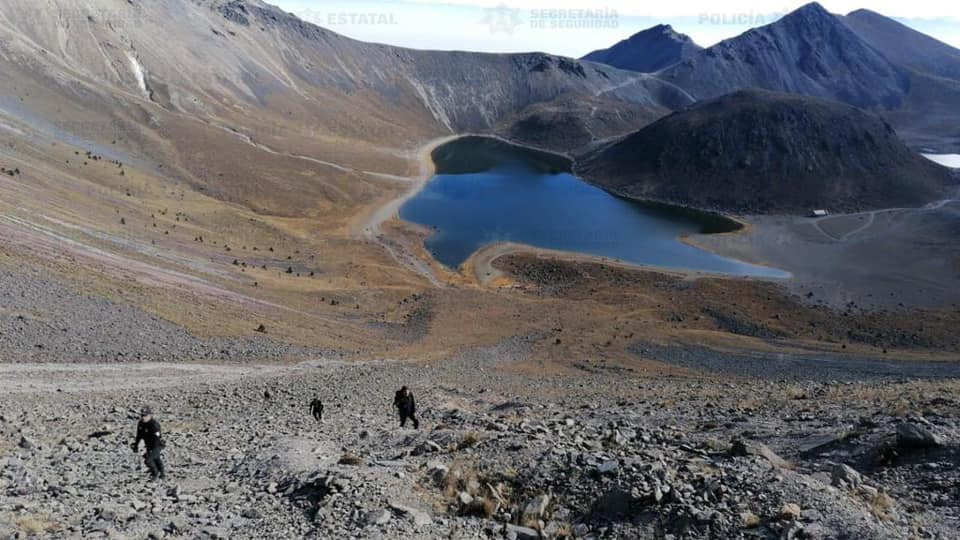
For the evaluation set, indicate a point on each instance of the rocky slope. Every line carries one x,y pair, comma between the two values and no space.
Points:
650,50
808,51
764,152
194,151
928,118
857,60
500,454
904,45
270,64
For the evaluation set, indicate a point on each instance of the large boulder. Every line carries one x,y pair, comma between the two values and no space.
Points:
744,448
844,476
914,436
535,509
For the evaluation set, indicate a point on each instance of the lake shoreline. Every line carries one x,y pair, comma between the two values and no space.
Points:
633,228
368,225
480,266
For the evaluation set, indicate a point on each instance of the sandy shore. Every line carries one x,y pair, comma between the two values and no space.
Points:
369,225
480,265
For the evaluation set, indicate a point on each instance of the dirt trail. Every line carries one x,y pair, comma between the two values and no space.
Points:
871,218
70,378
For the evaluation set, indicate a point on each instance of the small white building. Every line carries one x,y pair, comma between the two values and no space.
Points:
819,213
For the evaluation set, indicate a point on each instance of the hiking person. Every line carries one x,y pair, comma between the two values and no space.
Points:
148,430
406,406
316,409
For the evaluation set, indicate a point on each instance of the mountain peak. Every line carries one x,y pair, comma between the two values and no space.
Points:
809,51
812,13
648,50
662,31
812,8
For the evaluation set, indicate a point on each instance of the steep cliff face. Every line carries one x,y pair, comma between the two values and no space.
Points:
765,152
650,50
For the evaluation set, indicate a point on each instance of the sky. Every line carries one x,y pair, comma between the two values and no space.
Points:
576,27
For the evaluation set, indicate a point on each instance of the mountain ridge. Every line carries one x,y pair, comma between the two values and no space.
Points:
171,77
808,51
905,45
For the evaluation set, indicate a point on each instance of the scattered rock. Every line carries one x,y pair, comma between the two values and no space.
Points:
749,520
420,518
743,448
437,472
522,533
379,517
26,444
215,533
176,526
843,476
252,513
609,467
790,511
818,442
535,509
350,459
912,436
615,502
426,447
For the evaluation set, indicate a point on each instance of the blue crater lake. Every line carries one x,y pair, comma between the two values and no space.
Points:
487,191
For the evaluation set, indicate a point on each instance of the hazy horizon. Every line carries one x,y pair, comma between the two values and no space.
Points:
574,28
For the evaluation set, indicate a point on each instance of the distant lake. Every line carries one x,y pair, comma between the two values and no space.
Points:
487,191
947,160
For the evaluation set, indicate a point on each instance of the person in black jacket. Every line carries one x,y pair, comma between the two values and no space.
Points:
316,408
148,430
406,406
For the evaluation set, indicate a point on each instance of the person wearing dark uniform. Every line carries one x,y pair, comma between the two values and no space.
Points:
148,431
316,408
407,407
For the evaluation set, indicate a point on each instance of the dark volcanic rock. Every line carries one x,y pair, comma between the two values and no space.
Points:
764,152
904,45
809,51
650,50
573,122
235,11
910,435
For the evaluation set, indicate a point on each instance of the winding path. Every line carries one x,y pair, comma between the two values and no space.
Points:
872,216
